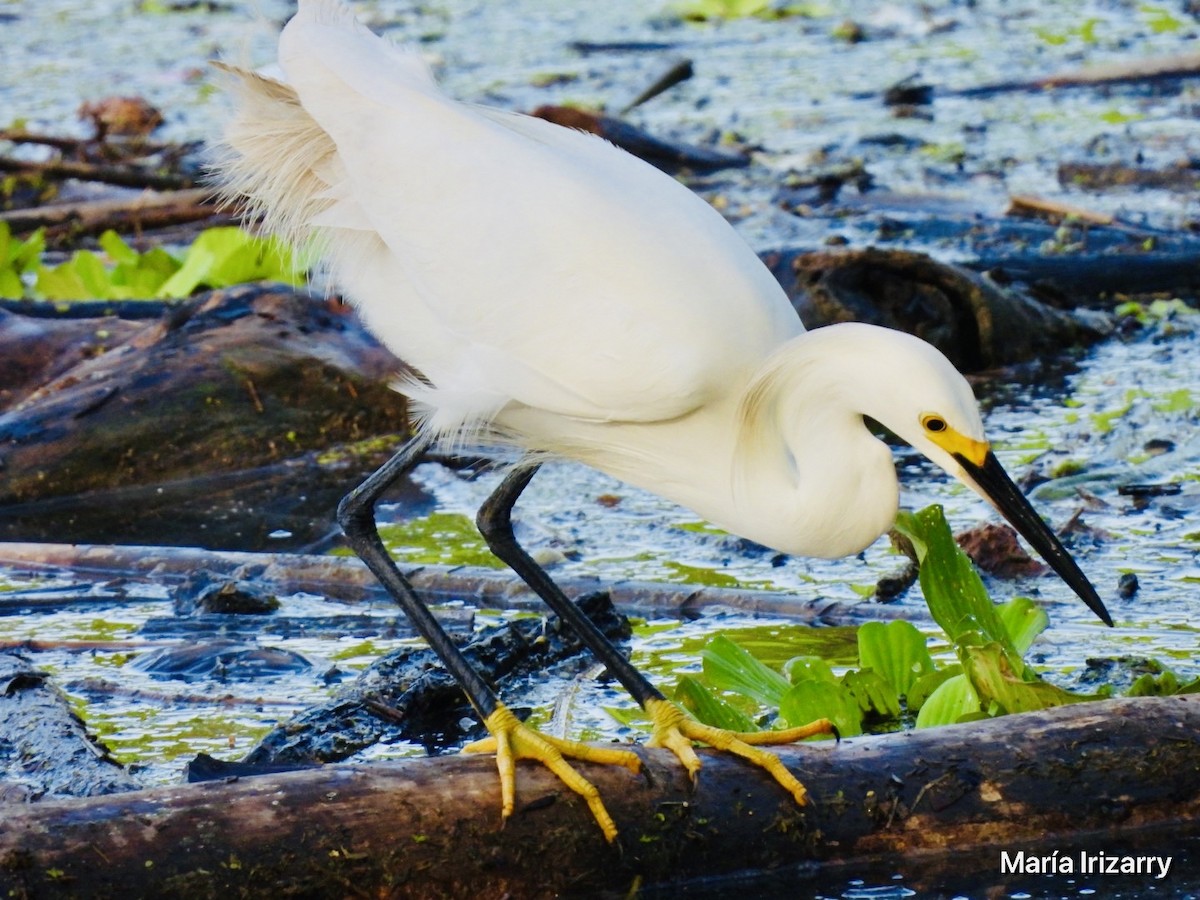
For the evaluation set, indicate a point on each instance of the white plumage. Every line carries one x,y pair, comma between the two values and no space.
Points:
576,300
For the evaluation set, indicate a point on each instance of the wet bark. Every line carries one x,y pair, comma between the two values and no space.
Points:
65,223
45,750
212,407
407,695
665,154
244,374
976,322
349,579
431,827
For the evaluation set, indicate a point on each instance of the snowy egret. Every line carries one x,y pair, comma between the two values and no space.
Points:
557,294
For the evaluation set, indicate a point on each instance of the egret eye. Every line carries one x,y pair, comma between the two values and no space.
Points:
934,423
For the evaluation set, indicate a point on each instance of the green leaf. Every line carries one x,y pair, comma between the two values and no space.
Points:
992,677
11,286
989,642
25,255
66,281
16,258
1023,620
925,686
873,693
220,257
709,708
951,702
118,251
804,668
93,275
730,668
807,701
896,651
953,590
629,716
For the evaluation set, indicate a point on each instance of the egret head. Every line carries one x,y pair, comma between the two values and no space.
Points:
912,389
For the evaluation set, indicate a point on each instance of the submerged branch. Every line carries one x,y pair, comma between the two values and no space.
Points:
489,588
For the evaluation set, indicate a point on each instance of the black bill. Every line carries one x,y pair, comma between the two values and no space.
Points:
997,487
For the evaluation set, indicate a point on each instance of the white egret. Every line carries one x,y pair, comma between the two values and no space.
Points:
558,294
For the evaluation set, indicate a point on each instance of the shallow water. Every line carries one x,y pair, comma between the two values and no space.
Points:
804,99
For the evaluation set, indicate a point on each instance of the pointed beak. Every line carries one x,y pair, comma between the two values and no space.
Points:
995,486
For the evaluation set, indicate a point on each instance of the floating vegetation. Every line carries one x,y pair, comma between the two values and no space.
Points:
897,681
440,538
219,257
717,10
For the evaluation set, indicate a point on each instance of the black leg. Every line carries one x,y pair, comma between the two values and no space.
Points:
495,524
673,729
356,515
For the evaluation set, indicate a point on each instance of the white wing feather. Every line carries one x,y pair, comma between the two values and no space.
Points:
470,240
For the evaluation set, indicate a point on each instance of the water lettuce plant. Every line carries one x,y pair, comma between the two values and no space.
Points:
17,258
709,10
897,682
219,257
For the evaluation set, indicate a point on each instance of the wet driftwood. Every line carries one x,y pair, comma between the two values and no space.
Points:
222,396
145,212
408,695
348,579
671,156
431,827
248,374
45,750
976,322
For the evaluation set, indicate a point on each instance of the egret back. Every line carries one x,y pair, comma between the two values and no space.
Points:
509,259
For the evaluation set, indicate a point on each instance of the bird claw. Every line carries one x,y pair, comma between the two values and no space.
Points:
511,740
674,730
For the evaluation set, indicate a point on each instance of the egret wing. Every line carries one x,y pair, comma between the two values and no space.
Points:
510,259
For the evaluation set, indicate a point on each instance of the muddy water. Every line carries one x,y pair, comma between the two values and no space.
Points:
803,97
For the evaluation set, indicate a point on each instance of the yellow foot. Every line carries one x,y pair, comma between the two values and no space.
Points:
675,730
512,740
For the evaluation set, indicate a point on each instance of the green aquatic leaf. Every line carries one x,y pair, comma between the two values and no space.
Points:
1159,19
873,693
807,701
118,251
16,258
86,276
710,709
925,686
224,256
953,701
804,668
1164,683
895,650
728,667
993,678
82,277
629,716
989,642
440,538
1023,620
953,590
710,10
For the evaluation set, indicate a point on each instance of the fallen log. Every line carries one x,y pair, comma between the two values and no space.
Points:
976,322
349,579
408,695
914,802
670,156
121,175
228,381
45,749
147,211
1152,70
